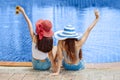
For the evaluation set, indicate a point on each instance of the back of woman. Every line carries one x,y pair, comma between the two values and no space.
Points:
72,54
71,51
42,45
42,42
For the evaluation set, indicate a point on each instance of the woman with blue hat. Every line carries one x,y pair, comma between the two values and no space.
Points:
69,53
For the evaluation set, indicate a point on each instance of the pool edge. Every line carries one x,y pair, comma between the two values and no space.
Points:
114,65
16,64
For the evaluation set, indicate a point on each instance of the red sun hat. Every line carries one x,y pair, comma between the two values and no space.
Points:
44,28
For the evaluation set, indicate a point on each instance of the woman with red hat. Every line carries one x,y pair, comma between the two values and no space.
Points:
42,42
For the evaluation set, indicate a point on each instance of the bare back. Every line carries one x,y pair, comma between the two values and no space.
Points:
67,59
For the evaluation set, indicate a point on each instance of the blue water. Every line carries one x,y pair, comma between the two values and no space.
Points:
102,45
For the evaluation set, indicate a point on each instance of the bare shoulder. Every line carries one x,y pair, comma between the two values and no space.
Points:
61,43
78,44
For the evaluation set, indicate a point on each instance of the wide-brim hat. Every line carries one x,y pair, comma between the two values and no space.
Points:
44,27
68,32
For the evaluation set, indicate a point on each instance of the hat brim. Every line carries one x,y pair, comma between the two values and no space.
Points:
48,34
61,36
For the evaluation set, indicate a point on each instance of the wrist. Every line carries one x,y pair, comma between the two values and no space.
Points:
97,17
23,12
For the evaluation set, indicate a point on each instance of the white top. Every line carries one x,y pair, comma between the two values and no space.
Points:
37,54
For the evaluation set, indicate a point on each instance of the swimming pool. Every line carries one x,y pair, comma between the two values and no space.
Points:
103,44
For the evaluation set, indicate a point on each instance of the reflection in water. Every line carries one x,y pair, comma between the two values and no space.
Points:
15,40
101,46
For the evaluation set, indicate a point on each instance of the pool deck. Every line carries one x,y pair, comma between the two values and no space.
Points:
108,71
24,71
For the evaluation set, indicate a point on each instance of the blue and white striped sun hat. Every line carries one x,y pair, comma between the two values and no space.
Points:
68,32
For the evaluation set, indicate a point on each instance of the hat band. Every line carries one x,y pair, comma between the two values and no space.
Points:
65,29
67,35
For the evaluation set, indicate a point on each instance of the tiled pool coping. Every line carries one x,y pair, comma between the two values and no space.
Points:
88,65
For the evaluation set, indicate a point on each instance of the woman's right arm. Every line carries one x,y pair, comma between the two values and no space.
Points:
87,32
20,9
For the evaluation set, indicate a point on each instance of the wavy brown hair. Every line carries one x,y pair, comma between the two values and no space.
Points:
80,54
45,45
70,49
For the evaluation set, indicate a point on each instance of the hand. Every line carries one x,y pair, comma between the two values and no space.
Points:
54,67
54,74
19,9
96,14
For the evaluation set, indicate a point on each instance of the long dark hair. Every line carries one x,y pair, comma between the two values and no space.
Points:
70,49
45,45
80,54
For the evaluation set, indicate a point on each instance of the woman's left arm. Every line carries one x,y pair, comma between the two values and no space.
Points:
51,57
58,59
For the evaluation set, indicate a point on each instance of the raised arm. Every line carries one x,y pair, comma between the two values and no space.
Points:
87,32
20,9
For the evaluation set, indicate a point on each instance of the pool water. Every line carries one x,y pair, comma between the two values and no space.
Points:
102,45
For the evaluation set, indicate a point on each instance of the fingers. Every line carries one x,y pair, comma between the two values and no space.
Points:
19,9
54,74
96,13
17,12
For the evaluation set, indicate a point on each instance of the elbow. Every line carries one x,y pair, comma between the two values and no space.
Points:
58,59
